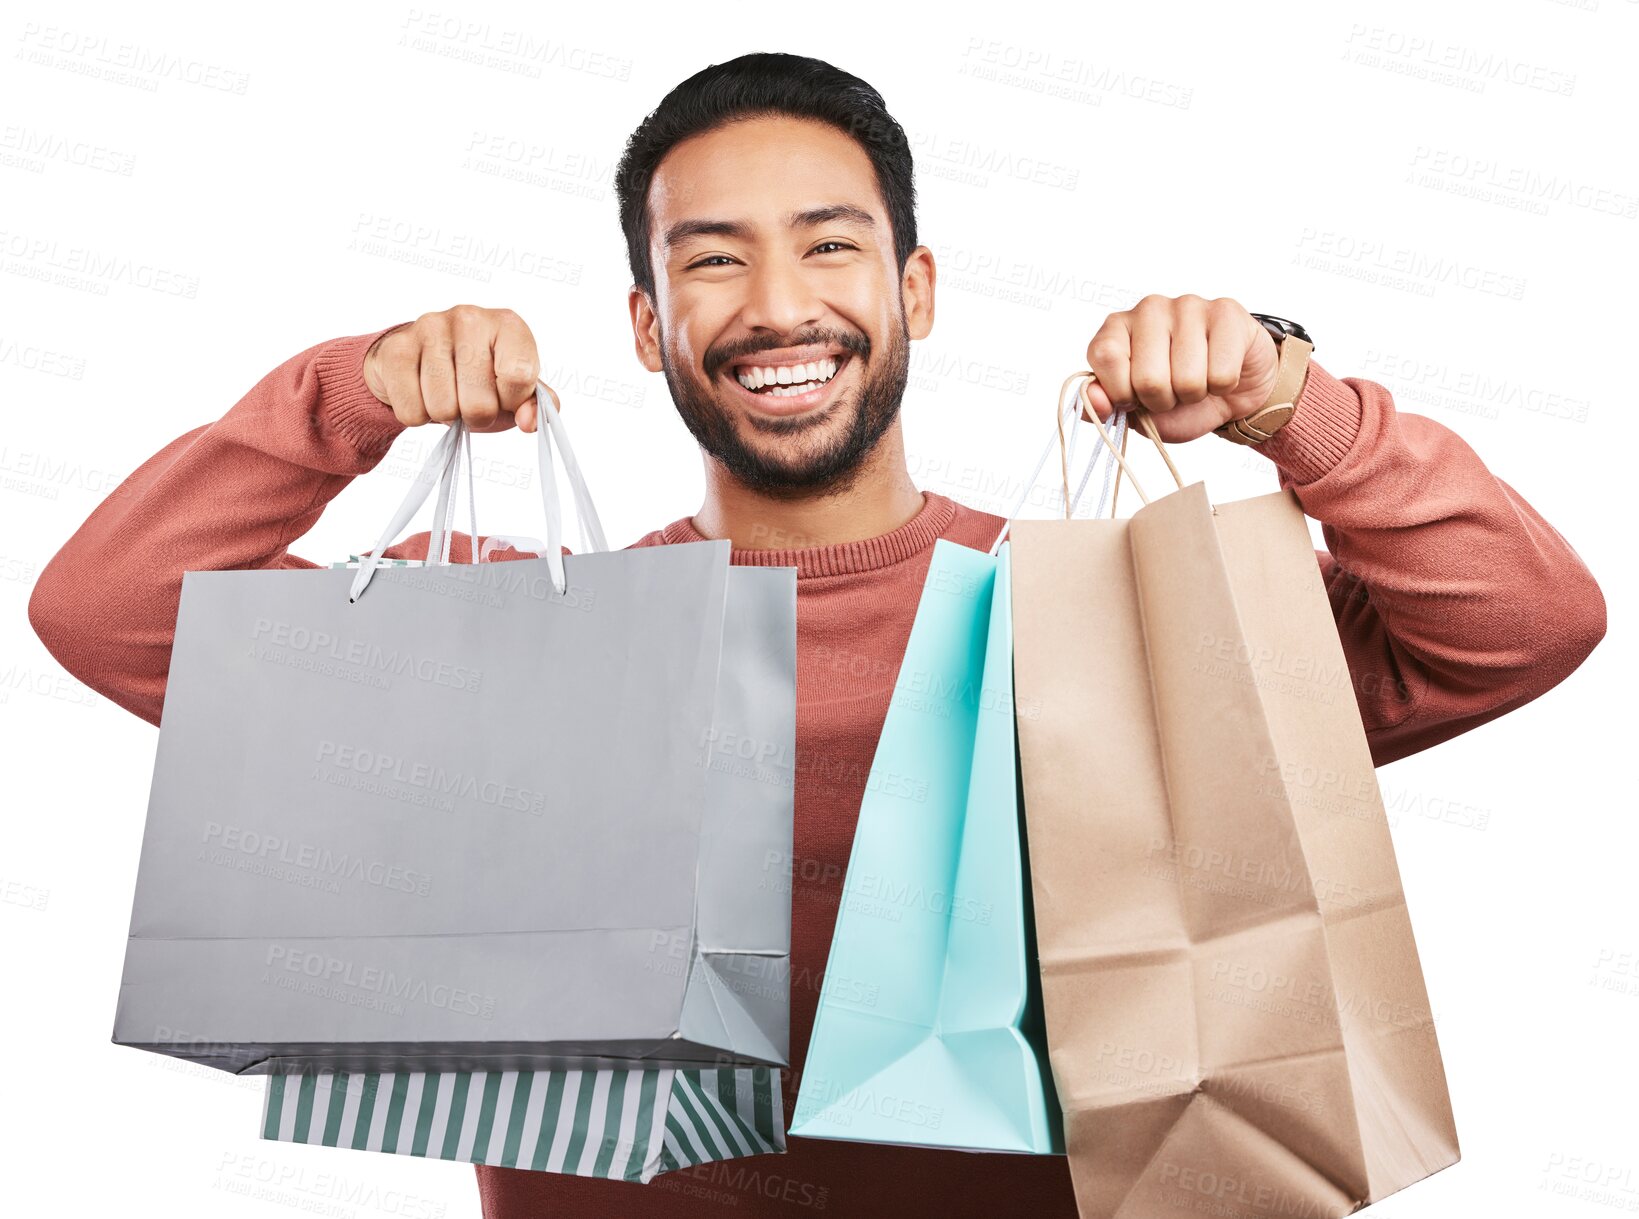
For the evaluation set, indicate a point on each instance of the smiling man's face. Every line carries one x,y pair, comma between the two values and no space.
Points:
781,319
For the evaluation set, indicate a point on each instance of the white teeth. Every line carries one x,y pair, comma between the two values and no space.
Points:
799,377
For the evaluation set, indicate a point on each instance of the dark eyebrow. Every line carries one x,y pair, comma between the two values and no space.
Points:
684,229
831,211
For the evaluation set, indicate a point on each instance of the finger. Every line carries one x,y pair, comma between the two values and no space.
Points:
1152,354
400,372
1100,400
473,333
517,366
557,405
1189,350
1226,346
1109,356
529,414
438,374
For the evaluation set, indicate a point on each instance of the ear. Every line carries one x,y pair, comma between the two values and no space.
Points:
645,328
916,289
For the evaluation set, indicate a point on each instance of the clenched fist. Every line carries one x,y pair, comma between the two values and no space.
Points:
1194,364
469,363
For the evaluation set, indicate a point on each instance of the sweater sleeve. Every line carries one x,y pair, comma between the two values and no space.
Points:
227,495
1455,600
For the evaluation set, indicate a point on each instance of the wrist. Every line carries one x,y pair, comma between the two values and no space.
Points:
347,402
367,365
1279,406
1321,431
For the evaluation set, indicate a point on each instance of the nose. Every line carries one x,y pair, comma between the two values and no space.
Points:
780,298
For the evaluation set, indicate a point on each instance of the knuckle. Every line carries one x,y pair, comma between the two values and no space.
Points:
411,417
1106,349
520,369
438,395
1149,385
515,378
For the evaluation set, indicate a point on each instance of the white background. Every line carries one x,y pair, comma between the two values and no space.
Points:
1293,156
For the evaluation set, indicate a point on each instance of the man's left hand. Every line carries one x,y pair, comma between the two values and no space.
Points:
1195,364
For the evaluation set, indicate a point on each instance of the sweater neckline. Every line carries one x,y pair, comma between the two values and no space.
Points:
841,558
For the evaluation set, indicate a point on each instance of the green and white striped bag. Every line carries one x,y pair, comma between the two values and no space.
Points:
621,1125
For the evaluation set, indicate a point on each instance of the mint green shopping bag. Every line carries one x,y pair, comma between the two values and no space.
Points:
937,1040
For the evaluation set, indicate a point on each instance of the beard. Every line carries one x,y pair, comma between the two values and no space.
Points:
828,448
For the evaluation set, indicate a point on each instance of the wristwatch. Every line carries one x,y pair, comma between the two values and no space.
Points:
1293,343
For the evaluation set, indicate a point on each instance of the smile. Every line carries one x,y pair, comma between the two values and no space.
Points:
789,388
786,380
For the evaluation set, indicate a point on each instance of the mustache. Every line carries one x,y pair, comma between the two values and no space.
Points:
856,344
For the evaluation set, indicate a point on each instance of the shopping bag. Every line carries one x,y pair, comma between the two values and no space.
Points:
928,1026
1236,1014
620,1125
455,817
627,1124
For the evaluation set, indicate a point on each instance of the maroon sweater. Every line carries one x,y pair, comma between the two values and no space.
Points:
1454,599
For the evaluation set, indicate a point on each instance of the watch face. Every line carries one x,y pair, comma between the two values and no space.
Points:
1280,327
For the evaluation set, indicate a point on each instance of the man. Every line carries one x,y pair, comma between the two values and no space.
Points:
769,212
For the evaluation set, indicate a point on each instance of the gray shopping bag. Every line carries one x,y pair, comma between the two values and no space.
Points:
455,817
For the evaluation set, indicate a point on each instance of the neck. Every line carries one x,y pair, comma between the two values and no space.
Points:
879,499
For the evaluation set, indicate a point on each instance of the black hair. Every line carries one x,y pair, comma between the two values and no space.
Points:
758,85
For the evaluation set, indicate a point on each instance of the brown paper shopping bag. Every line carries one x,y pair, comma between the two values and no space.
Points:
1236,1016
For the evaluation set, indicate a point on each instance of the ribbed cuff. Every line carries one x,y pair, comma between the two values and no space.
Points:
1321,431
346,402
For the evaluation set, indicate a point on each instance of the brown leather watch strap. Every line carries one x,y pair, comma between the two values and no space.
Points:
1290,376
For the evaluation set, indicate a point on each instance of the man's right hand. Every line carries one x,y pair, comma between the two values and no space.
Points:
478,365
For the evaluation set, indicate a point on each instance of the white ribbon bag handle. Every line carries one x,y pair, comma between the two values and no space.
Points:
1111,455
1107,454
443,465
